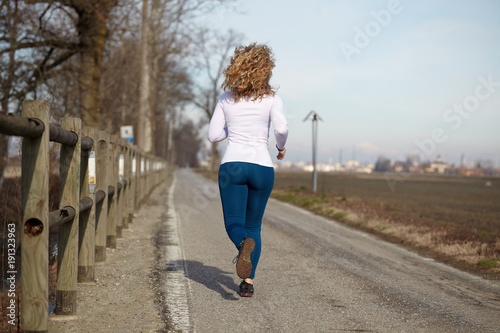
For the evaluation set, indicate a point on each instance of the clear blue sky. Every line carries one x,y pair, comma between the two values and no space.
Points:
387,77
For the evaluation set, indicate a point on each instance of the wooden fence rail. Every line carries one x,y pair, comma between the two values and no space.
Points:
102,180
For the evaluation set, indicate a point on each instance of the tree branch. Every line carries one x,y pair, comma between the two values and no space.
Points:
40,73
52,43
40,22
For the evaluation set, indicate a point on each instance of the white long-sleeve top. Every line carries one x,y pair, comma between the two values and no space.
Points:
246,125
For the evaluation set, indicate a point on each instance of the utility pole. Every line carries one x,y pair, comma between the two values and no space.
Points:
315,118
144,121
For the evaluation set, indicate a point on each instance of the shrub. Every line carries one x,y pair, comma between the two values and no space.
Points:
488,263
339,215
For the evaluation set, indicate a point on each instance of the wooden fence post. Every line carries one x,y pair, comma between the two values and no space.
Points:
138,180
101,213
148,175
145,178
119,180
112,200
142,181
35,238
133,179
157,171
86,253
126,177
69,195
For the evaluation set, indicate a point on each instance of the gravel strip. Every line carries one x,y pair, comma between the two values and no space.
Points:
124,297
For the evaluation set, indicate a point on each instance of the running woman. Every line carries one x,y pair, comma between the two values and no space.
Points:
243,115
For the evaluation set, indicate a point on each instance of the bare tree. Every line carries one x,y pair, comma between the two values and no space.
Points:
144,122
214,52
58,48
170,45
187,144
383,164
170,25
37,45
65,28
9,17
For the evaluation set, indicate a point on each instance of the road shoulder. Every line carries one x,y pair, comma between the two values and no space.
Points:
124,296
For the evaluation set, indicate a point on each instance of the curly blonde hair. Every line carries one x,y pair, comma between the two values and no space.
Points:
249,72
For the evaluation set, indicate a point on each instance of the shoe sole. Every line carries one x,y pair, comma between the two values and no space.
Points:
244,264
246,294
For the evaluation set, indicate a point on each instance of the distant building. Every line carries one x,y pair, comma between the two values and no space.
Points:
438,166
400,167
411,165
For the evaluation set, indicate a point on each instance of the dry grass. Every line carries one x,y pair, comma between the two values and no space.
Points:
439,242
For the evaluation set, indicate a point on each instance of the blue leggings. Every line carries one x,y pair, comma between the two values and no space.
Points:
244,191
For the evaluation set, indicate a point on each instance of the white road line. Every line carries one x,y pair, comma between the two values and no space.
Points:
177,283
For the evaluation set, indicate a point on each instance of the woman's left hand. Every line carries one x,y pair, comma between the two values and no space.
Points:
281,154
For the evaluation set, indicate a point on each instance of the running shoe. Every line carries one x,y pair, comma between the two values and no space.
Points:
246,289
243,260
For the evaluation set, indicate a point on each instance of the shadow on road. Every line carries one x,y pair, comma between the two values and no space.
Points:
211,277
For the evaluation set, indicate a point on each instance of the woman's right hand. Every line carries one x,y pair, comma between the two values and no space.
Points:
281,154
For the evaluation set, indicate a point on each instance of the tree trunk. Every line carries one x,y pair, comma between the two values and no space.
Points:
7,84
157,113
4,140
92,29
214,157
144,122
88,111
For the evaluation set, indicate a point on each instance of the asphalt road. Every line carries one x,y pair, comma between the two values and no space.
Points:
314,276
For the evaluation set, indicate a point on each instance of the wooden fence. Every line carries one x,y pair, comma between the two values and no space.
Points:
102,180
